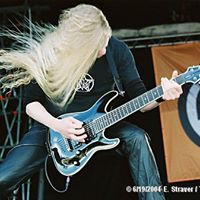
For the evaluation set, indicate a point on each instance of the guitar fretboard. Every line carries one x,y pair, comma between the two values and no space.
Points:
123,111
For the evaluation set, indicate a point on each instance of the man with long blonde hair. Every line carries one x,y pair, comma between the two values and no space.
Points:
66,70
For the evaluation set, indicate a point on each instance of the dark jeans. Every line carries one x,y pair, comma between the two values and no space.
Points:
30,154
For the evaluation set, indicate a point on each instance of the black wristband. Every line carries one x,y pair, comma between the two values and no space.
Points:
160,100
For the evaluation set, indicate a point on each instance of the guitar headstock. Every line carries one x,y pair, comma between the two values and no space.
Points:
192,75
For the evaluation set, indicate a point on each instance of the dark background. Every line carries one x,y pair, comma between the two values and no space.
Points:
106,175
122,13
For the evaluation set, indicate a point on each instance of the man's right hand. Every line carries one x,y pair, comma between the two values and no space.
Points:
71,128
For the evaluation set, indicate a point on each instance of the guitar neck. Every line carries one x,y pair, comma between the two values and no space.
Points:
123,111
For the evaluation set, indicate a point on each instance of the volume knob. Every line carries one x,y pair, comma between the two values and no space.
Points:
76,163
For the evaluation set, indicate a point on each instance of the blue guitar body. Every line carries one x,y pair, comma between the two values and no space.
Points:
70,156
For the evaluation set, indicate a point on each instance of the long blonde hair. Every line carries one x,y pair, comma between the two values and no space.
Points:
57,57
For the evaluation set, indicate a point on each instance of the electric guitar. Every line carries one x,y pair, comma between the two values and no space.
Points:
70,156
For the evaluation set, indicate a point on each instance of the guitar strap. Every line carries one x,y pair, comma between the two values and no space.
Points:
113,69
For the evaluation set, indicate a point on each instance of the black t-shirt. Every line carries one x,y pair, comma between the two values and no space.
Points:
96,82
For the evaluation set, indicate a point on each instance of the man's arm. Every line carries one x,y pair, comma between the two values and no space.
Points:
132,82
69,126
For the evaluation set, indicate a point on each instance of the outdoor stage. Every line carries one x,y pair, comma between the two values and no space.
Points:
143,26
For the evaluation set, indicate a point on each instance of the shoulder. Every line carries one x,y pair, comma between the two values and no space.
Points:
116,44
119,49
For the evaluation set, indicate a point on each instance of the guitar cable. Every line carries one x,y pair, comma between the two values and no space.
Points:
51,184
